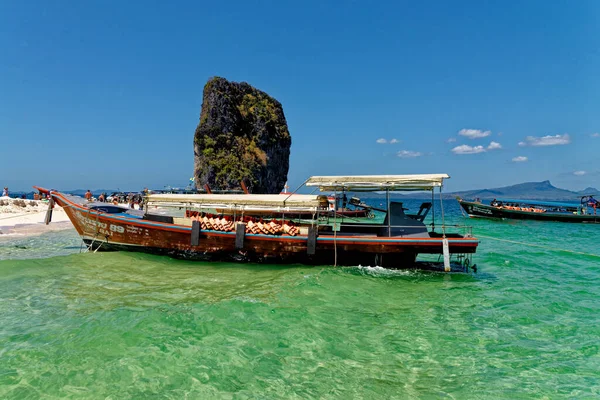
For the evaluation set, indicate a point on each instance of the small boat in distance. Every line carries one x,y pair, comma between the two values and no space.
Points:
582,212
297,228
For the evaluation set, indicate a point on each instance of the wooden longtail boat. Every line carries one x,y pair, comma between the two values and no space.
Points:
245,234
585,212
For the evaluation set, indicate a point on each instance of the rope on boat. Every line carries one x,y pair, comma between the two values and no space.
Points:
101,243
539,246
88,247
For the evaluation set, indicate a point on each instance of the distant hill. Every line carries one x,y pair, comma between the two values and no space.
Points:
528,190
588,190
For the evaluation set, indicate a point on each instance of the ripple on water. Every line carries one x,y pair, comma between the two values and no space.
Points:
126,325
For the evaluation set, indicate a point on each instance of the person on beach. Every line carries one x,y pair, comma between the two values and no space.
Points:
88,195
5,192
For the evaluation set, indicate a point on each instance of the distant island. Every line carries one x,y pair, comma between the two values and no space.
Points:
528,190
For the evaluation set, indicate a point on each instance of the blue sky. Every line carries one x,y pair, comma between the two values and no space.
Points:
107,94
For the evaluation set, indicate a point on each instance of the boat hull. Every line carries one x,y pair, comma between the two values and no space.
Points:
475,209
107,232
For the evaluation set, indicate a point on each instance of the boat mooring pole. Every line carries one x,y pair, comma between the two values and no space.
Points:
48,217
446,252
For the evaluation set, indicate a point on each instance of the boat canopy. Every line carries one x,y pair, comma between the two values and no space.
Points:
370,183
274,201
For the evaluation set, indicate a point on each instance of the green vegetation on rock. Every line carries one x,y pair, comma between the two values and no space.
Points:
242,135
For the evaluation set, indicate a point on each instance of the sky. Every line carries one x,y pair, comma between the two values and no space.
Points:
107,94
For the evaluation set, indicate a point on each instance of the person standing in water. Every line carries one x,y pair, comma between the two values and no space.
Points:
5,192
88,195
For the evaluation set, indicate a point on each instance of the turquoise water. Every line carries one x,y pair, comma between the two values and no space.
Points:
133,326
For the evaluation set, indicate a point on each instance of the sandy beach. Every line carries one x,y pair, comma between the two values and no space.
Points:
26,217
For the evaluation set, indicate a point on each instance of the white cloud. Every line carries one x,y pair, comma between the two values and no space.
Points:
409,154
494,146
519,159
549,140
579,173
384,141
595,134
466,149
451,140
474,133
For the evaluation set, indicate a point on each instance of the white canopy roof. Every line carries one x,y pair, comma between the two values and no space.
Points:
378,182
291,201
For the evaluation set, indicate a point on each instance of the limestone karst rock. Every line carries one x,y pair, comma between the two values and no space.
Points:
242,135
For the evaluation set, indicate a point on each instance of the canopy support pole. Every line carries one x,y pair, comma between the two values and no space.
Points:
335,228
443,220
445,245
432,210
387,197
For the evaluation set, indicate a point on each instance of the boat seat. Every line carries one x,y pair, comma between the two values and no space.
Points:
159,218
423,211
401,224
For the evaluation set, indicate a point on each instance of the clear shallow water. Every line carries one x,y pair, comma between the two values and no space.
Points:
127,325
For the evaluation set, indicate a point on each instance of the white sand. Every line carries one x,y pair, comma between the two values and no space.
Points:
29,219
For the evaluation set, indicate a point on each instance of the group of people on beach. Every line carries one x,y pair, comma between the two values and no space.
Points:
134,200
6,194
36,196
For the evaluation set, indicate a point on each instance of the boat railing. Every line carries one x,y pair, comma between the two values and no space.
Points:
464,230
314,216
